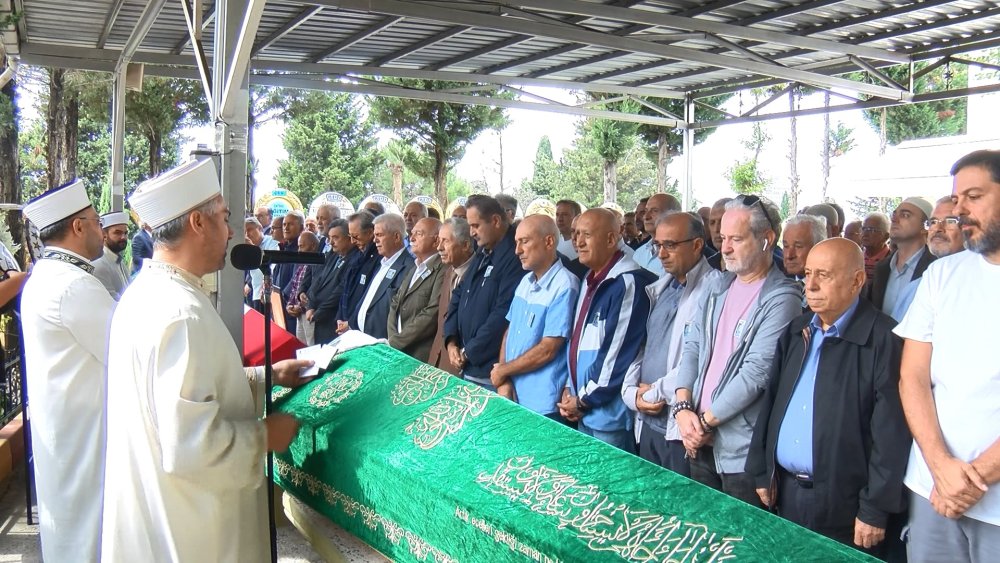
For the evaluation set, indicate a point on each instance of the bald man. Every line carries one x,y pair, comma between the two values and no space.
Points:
608,331
533,350
832,403
656,206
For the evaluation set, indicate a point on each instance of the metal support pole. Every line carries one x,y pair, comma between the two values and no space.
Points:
231,144
688,152
118,140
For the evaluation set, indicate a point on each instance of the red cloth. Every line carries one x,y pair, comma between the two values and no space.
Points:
283,343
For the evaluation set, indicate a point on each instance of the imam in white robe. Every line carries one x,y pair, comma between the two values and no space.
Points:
65,315
185,460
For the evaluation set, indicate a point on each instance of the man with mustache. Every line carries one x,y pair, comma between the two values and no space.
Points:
950,381
110,268
944,235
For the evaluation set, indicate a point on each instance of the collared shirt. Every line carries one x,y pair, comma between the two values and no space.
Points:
460,272
418,271
645,257
565,247
898,278
383,272
795,436
871,261
593,281
541,308
256,276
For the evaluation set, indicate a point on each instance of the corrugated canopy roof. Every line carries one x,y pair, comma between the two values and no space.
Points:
664,48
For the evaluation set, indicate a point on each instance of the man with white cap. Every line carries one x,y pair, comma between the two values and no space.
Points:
186,446
110,268
65,313
890,289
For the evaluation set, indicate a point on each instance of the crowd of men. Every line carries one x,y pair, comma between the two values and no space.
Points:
833,373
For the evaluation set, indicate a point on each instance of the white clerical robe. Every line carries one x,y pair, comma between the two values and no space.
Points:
65,314
185,460
112,271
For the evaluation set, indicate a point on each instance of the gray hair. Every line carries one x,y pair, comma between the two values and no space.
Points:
168,235
883,221
338,224
312,238
695,226
421,206
507,202
364,218
392,223
297,215
760,222
459,230
816,223
251,220
331,207
945,199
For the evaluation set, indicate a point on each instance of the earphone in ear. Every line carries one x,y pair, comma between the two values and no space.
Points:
764,248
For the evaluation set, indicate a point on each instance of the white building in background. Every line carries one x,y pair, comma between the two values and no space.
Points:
920,167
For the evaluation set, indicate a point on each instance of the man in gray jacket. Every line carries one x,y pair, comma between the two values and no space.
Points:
729,348
678,240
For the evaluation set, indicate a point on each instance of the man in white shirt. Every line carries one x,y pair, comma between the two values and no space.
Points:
413,311
372,314
186,445
950,382
65,314
111,268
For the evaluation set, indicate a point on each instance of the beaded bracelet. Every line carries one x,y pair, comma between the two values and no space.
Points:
681,406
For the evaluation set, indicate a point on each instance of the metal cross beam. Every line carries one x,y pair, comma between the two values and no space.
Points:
239,62
206,20
439,96
109,23
462,17
356,38
302,17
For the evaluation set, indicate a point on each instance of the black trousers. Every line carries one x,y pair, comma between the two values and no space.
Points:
799,503
669,454
736,485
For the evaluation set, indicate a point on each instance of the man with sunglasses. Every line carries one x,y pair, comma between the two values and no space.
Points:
65,315
727,354
678,241
892,276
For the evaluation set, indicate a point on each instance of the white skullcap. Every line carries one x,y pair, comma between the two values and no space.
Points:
114,218
57,204
159,200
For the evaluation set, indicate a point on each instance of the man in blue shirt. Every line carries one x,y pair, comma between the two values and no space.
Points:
533,352
830,446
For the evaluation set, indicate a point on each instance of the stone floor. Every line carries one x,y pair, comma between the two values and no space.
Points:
19,541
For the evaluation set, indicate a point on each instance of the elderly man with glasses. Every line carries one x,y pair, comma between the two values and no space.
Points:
725,361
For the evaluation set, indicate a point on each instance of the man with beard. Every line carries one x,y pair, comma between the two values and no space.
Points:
944,236
110,268
909,260
950,381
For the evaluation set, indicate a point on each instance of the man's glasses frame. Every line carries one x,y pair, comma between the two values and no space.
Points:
669,245
751,200
949,221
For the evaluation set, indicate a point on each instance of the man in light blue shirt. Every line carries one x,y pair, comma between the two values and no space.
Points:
533,367
656,206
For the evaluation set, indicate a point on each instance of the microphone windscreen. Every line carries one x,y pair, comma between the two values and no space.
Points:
246,257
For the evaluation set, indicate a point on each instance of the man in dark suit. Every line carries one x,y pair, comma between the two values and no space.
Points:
322,297
895,279
372,313
362,231
831,444
142,247
413,311
456,250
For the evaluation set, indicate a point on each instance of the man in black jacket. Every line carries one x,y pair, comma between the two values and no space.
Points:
322,298
362,230
830,446
477,315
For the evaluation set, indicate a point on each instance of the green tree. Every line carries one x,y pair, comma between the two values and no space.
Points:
437,129
581,175
545,173
665,143
746,176
611,139
862,206
941,118
330,149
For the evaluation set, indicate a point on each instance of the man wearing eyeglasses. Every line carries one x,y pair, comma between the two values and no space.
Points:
907,263
875,242
656,205
944,236
678,241
727,355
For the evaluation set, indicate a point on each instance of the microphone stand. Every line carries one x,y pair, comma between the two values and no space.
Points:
265,300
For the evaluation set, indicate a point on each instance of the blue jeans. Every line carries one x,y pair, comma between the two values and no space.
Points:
621,439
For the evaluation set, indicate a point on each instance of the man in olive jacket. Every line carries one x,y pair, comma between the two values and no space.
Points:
830,446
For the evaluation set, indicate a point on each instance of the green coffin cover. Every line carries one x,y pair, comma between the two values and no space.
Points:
423,466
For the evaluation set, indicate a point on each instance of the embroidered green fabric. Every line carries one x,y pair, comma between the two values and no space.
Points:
425,467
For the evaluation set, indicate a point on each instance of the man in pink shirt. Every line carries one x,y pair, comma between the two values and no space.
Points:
729,346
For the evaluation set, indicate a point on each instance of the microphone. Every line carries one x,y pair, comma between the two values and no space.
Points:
251,257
